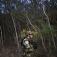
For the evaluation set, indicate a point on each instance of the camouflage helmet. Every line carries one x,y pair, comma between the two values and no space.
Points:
29,33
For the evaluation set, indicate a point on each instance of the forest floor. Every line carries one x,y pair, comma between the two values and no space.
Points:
8,52
12,52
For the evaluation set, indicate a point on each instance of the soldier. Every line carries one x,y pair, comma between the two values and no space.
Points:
27,44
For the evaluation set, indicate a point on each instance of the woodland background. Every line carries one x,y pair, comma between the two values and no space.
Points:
19,16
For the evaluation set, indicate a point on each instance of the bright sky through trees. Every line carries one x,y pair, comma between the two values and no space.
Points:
4,7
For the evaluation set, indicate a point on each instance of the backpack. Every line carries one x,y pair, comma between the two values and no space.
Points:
34,45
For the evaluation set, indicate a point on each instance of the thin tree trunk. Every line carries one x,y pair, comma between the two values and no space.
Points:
49,25
1,36
16,38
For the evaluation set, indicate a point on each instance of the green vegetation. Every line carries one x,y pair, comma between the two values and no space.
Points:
43,25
